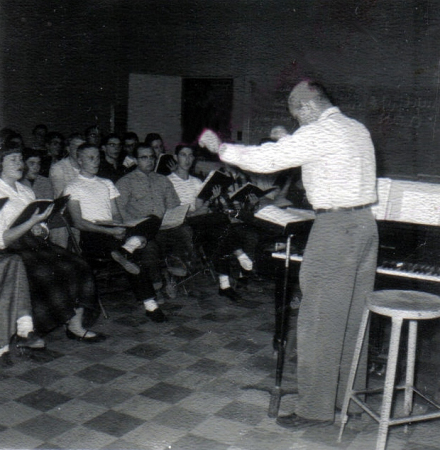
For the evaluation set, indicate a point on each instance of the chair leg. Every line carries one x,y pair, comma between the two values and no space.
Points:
393,354
354,365
207,264
103,310
410,364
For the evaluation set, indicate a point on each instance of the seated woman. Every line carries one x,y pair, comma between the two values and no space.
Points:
16,322
61,284
220,239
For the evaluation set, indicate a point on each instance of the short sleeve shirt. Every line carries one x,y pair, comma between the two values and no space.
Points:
18,200
94,196
187,190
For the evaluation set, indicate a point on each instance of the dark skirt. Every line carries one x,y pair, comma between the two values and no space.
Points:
14,295
59,282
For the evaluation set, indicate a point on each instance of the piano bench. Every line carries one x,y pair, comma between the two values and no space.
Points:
399,305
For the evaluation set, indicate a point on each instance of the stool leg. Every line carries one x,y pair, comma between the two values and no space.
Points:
353,369
410,364
393,353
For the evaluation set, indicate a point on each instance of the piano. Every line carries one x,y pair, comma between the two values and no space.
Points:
408,219
407,252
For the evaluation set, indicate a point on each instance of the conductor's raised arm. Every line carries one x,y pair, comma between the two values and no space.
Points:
208,139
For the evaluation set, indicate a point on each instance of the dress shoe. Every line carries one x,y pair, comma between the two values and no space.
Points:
176,266
243,283
32,340
98,337
171,289
156,315
293,421
5,360
129,266
230,293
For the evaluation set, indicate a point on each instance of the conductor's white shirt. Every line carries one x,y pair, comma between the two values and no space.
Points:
336,155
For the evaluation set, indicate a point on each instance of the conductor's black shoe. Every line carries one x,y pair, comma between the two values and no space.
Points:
230,293
293,421
129,266
32,340
157,315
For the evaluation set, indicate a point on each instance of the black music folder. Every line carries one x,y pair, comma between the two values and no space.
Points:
162,164
216,178
42,205
242,194
147,226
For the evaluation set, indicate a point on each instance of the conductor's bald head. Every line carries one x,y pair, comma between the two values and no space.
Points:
307,101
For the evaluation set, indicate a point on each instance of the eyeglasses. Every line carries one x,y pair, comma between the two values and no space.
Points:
112,144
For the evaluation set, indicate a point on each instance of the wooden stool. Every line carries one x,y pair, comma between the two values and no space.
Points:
399,305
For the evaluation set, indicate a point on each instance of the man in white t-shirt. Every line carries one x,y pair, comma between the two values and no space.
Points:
213,229
93,201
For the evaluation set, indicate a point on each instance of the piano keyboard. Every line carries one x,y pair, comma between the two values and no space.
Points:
416,271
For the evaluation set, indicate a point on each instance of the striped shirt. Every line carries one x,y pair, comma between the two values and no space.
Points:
187,190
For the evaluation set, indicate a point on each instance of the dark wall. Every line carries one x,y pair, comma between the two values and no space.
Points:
61,64
66,63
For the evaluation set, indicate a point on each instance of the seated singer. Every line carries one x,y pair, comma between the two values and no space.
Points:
339,265
93,200
144,192
219,237
61,284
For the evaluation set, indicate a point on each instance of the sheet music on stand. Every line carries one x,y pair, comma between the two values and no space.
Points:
414,202
407,201
284,220
380,209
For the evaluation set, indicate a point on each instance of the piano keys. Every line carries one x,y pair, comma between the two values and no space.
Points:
408,252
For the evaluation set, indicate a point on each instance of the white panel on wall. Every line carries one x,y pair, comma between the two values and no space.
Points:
154,106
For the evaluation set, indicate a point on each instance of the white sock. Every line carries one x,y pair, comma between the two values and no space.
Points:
132,244
245,261
75,324
224,281
4,349
25,325
150,304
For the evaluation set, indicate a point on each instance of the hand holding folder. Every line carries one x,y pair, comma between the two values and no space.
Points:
42,206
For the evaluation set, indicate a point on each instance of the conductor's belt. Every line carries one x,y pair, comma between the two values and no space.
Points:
343,208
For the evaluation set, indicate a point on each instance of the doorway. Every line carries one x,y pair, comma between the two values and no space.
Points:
206,103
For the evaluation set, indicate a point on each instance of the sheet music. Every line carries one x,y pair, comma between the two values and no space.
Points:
418,207
380,209
174,217
282,217
414,202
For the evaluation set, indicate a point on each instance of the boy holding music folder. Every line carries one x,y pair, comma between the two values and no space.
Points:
94,212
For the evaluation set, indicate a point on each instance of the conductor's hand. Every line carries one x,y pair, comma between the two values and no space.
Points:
118,232
208,139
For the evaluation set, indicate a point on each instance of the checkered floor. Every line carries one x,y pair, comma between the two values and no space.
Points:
201,381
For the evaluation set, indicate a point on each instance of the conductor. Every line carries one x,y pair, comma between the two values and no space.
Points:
338,269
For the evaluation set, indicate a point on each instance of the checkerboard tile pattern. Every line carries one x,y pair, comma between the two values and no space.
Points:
201,381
